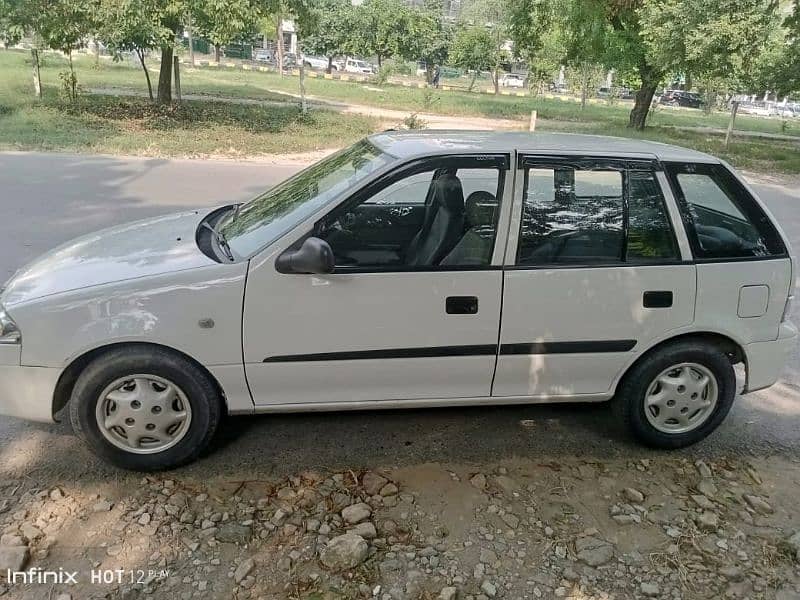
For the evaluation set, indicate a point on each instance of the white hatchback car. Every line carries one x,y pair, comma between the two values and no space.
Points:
413,269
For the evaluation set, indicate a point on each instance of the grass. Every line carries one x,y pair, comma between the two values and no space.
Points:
132,125
128,125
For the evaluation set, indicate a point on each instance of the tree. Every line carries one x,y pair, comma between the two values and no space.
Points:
429,37
64,25
717,41
473,49
224,21
381,29
533,30
585,40
132,26
327,32
494,15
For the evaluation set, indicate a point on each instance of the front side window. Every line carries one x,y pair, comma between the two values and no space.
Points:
723,220
593,214
429,216
262,220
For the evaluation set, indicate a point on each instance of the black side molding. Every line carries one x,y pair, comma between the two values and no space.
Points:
568,347
435,351
471,350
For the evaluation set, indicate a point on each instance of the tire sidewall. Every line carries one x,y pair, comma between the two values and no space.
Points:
641,378
199,392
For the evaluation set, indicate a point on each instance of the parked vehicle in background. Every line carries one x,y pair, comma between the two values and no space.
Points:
413,269
621,93
354,65
422,69
514,80
316,62
264,55
681,98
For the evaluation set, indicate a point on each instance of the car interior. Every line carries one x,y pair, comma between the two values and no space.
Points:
423,221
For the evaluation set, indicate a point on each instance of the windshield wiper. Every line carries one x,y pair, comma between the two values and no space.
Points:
222,242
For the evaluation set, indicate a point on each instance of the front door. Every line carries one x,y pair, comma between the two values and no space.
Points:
412,309
594,272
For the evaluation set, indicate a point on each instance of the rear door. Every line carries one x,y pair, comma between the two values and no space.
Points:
594,271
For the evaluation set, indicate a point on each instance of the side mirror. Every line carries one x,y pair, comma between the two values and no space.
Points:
313,256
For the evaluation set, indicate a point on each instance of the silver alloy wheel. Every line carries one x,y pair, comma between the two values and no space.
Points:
681,398
143,414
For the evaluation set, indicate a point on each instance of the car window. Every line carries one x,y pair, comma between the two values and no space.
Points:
724,221
430,217
596,215
265,218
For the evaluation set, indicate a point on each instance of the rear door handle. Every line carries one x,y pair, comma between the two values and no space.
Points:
461,305
657,299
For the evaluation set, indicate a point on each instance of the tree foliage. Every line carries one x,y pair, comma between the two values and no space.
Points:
328,30
473,50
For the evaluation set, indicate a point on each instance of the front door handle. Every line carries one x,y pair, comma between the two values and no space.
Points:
461,305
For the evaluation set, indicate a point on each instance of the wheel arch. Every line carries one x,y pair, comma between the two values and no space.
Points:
66,381
729,346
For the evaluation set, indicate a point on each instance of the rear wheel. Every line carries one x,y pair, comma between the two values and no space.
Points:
145,408
677,395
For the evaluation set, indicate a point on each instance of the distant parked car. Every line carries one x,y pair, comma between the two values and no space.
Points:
681,98
353,65
514,80
621,93
264,55
316,62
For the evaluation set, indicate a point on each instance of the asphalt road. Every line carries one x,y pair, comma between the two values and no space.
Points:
47,199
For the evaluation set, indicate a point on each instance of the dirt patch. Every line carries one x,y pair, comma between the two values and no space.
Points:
665,528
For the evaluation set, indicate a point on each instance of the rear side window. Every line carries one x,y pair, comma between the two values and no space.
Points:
722,219
593,214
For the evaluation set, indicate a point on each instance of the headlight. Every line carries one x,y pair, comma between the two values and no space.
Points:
9,332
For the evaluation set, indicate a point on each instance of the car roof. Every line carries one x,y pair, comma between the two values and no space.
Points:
409,144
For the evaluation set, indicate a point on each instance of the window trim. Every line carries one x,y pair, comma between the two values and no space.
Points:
742,199
624,166
501,161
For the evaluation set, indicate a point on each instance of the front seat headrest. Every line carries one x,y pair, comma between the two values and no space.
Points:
479,209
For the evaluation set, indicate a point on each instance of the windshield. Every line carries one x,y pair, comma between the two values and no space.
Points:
267,217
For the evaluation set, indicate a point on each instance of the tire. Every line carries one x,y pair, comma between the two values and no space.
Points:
146,373
642,385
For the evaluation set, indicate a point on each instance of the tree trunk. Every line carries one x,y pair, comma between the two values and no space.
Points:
217,53
37,81
496,77
380,61
644,97
73,80
303,103
584,84
330,65
165,76
140,54
472,81
191,38
279,38
176,63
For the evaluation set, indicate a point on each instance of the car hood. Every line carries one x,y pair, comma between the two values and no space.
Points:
138,249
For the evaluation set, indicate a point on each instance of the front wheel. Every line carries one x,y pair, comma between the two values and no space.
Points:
145,408
677,395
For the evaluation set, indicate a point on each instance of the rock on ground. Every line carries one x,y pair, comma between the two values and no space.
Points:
344,552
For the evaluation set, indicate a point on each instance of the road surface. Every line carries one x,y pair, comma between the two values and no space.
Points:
50,198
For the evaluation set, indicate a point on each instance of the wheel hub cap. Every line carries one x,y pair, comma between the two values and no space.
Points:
681,398
143,414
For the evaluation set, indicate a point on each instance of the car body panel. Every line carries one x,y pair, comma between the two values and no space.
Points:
147,282
165,309
164,244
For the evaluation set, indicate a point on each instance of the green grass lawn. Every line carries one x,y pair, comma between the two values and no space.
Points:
130,125
133,126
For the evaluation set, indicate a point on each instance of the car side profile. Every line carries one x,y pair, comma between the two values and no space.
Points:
413,269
